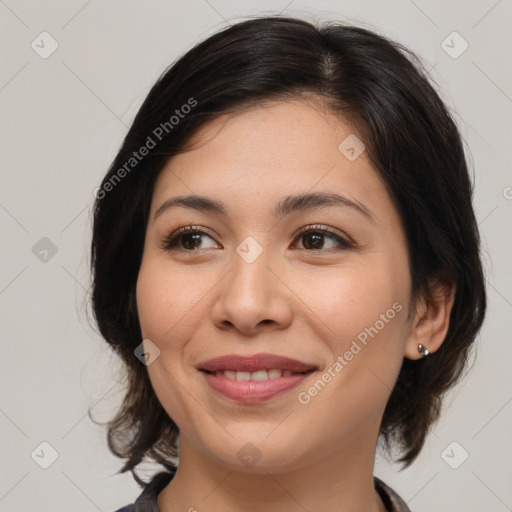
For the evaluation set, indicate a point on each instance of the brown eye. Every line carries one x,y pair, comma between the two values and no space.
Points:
313,239
187,238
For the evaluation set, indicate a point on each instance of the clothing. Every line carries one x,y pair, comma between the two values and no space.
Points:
146,502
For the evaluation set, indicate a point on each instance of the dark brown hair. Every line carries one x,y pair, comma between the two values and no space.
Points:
411,140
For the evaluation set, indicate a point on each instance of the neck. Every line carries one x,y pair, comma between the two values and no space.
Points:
342,482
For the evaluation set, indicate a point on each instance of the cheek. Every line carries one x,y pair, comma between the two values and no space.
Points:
366,321
165,303
166,299
361,313
356,298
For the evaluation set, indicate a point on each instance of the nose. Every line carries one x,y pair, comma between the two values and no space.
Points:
253,297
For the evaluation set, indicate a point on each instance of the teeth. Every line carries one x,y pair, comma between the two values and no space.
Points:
243,375
274,374
259,375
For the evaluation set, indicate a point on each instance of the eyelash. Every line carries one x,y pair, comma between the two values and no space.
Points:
170,242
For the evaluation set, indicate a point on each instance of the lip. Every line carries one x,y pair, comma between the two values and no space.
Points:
254,391
254,363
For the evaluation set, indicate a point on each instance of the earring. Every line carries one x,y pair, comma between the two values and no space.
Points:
424,351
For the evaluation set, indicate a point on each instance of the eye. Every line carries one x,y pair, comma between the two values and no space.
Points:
187,238
314,236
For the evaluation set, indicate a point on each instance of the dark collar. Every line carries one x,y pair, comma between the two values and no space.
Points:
146,502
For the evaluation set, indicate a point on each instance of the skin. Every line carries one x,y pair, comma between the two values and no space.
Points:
297,299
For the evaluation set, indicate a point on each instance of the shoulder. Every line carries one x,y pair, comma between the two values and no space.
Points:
392,501
146,501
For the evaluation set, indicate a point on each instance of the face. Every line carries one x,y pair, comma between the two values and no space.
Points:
322,282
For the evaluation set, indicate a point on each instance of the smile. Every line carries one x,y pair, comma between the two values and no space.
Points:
260,375
254,379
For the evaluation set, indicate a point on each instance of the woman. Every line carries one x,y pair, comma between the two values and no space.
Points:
286,258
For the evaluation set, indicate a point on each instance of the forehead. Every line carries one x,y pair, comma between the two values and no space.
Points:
276,132
269,151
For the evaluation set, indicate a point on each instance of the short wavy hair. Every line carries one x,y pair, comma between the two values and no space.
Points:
412,141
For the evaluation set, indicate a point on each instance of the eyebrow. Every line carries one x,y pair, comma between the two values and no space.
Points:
290,204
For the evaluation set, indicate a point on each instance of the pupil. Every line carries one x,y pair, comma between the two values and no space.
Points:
316,238
187,237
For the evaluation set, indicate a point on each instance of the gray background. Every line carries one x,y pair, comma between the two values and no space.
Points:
62,120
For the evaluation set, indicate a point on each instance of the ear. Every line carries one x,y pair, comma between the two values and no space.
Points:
431,319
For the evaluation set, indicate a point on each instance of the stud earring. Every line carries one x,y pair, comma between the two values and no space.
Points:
424,351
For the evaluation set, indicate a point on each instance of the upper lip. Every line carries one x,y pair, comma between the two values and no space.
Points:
254,363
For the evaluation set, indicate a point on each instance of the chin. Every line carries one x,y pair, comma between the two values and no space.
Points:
257,456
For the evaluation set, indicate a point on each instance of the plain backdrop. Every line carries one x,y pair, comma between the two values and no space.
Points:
63,117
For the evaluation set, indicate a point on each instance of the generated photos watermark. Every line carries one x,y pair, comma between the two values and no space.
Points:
156,136
304,397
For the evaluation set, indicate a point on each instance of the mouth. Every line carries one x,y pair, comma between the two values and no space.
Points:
257,376
255,363
254,379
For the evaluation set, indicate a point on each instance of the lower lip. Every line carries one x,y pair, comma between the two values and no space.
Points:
250,391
